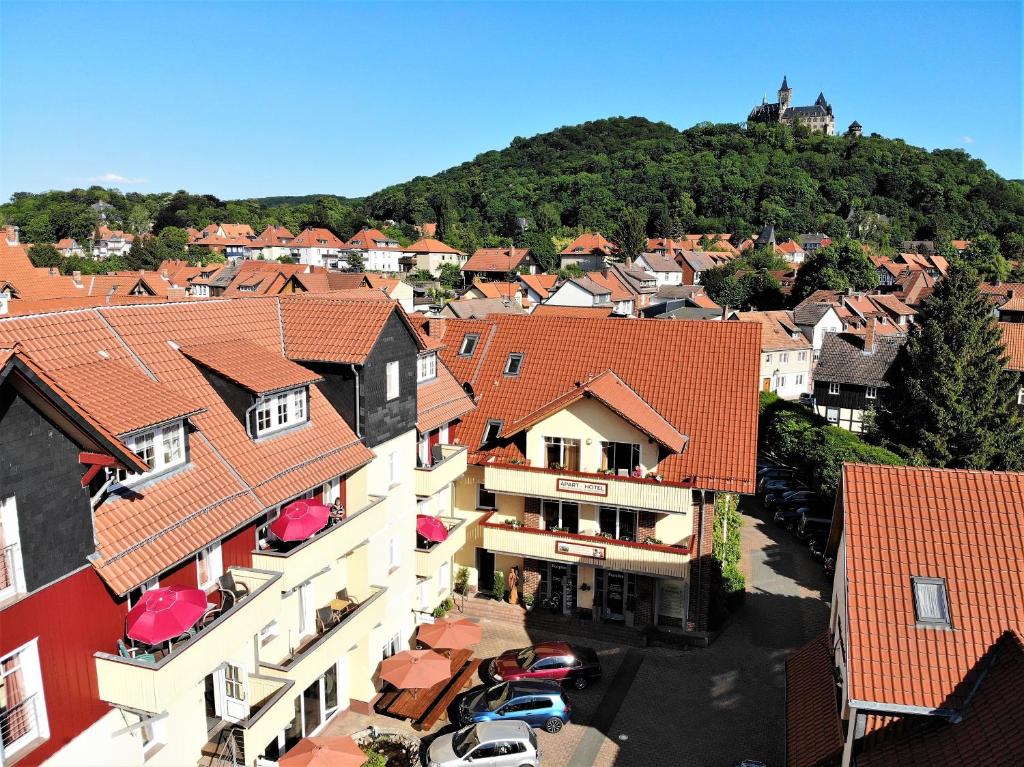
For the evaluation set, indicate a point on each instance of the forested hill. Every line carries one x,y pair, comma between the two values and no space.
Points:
720,178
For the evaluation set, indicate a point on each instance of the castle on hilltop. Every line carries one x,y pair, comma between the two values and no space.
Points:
818,117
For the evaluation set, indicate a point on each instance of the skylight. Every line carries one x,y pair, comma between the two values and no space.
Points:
931,602
492,431
468,344
513,364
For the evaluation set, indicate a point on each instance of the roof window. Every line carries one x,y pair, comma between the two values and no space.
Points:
468,344
931,601
492,431
513,364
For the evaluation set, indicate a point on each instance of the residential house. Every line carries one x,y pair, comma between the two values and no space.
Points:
537,288
68,246
786,356
850,376
195,426
319,247
380,252
641,286
922,662
589,475
1007,300
814,240
1013,339
624,300
431,254
498,263
688,302
394,288
791,251
664,268
111,242
479,308
590,252
274,242
581,291
696,262
816,319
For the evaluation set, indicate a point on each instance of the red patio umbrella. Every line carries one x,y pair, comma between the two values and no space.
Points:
324,752
300,520
415,669
431,528
454,634
165,613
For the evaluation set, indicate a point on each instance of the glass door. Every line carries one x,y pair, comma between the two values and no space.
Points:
614,595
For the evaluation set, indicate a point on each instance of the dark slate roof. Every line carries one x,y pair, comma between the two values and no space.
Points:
809,314
634,279
767,236
843,359
785,84
668,292
812,238
224,277
811,111
768,112
691,313
856,124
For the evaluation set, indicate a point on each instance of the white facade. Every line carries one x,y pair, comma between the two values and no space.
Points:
829,323
787,372
331,258
571,294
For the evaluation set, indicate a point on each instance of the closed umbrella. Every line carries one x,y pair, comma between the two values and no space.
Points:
431,528
165,613
300,520
415,669
324,752
450,634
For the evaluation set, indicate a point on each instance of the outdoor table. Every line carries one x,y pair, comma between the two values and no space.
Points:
339,606
414,704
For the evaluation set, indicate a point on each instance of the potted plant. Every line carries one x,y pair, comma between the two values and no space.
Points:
528,600
462,580
499,585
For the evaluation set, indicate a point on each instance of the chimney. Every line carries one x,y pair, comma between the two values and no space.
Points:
869,337
436,327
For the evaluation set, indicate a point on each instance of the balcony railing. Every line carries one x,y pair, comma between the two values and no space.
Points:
430,556
298,562
8,565
587,487
608,553
430,479
151,685
19,722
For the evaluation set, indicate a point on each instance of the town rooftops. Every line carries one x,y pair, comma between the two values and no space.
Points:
546,310
496,259
701,377
850,359
430,245
466,308
661,262
959,532
701,260
590,286
316,238
251,366
321,328
371,239
814,734
779,330
589,242
541,284
440,400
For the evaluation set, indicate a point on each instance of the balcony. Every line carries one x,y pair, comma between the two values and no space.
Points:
297,563
429,559
611,554
430,479
154,685
585,487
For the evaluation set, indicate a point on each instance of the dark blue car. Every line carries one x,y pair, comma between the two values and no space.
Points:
540,704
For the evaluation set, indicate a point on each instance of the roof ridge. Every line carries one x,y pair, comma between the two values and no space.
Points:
131,352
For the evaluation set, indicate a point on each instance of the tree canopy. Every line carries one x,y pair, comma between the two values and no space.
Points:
839,266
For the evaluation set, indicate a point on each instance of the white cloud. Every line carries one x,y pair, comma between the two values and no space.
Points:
967,140
116,178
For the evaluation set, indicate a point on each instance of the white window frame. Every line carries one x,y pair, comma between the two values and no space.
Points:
801,356
871,392
829,413
394,553
391,373
32,678
783,357
799,379
511,370
159,440
780,382
833,388
944,620
214,563
444,576
426,368
281,411
12,547
391,646
496,426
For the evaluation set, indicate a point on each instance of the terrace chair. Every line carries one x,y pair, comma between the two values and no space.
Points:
231,591
133,652
324,619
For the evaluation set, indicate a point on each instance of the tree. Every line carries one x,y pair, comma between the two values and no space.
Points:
542,248
569,271
356,261
174,238
1013,246
45,255
631,234
839,266
420,275
138,220
445,214
450,275
985,258
952,403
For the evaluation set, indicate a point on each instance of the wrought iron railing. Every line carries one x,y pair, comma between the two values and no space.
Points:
18,721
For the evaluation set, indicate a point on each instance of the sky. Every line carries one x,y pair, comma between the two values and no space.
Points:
246,99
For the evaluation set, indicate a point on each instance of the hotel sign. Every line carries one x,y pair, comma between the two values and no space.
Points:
584,488
575,549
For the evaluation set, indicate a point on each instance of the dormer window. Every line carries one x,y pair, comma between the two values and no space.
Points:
161,448
468,344
280,411
931,602
493,431
427,367
513,364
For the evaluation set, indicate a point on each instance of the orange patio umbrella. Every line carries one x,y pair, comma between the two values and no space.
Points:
455,634
415,669
324,752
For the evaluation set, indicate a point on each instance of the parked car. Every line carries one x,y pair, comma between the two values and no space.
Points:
789,498
539,703
789,518
806,399
490,744
768,486
812,525
557,661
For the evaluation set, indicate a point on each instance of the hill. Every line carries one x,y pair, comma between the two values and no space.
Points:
712,178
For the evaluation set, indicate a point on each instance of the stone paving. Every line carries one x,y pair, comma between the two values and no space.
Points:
684,708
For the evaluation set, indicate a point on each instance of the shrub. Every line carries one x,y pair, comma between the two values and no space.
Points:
374,759
499,585
448,604
461,580
439,612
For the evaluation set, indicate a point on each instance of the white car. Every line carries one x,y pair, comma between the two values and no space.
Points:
507,743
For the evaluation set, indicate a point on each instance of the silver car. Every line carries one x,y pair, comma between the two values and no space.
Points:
487,744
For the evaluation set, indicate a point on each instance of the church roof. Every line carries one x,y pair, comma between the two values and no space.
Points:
785,84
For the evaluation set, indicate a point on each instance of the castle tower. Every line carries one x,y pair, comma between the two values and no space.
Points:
854,130
785,96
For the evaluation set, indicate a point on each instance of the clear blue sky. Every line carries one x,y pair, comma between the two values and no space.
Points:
246,99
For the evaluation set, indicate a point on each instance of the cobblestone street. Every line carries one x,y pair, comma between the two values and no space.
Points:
698,707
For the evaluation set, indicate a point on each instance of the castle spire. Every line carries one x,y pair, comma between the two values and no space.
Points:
785,85
821,100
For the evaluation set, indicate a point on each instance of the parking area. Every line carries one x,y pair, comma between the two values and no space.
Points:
702,707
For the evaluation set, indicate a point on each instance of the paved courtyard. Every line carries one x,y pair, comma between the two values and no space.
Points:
659,706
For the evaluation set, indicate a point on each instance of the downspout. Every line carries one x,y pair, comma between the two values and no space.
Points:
355,374
700,550
851,731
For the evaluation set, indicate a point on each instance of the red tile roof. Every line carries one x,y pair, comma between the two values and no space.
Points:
440,401
1013,338
701,376
814,735
321,328
274,236
614,284
545,310
316,238
541,284
251,366
497,289
778,330
368,239
590,242
430,245
496,259
966,527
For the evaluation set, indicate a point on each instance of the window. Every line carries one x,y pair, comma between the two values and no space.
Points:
931,603
768,358
279,411
234,687
485,498
394,552
392,379
871,392
799,380
1020,396
444,579
493,431
561,514
171,438
780,382
24,716
513,364
801,356
154,734
618,523
209,565
832,415
161,449
619,456
12,578
784,357
136,594
833,388
427,367
391,647
142,446
562,453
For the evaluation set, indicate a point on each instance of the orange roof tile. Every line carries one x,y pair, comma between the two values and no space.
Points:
274,236
495,259
546,310
541,284
371,239
814,735
906,522
613,283
700,376
311,237
430,245
251,366
1013,339
440,401
590,242
778,330
497,289
327,329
